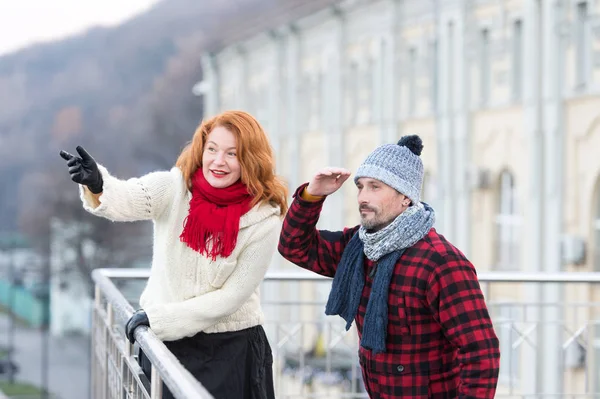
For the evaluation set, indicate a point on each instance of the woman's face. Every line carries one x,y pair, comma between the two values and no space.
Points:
220,164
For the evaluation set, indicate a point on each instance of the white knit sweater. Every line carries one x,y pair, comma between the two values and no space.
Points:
188,292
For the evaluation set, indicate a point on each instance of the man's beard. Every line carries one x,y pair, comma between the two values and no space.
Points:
374,223
371,225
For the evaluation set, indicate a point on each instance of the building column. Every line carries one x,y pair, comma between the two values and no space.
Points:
551,352
334,79
290,40
460,121
275,127
532,357
388,77
292,65
244,76
447,33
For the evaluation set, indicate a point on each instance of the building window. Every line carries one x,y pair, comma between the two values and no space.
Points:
258,101
429,189
596,228
433,80
412,77
424,189
310,100
484,68
582,50
262,105
365,94
517,61
316,93
379,79
253,93
303,100
352,89
508,223
449,66
596,266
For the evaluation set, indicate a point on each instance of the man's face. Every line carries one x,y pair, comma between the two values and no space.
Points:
378,203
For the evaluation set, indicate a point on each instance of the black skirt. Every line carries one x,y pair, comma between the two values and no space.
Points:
230,365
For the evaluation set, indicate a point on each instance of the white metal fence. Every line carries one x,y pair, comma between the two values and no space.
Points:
115,372
316,358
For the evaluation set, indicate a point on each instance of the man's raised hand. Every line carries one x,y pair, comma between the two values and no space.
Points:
327,181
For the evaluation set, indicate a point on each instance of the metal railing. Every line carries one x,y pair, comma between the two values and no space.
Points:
316,358
116,373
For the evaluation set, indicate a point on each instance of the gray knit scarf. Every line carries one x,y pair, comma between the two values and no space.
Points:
408,228
385,246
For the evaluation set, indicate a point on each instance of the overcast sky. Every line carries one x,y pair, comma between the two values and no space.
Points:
24,22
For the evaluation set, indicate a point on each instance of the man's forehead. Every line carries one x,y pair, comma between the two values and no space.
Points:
366,181
369,180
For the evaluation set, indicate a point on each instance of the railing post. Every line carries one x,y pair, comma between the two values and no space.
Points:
106,330
94,367
128,383
156,384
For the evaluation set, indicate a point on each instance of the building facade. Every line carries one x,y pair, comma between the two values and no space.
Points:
506,97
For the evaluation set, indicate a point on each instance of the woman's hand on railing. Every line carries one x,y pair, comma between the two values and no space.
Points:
139,318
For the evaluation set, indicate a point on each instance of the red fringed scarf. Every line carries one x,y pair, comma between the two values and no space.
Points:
213,222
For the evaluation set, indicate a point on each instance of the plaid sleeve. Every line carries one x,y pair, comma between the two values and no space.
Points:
457,301
303,244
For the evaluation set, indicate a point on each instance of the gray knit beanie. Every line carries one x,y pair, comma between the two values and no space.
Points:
397,165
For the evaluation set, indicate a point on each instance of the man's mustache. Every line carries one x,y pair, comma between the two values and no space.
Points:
366,208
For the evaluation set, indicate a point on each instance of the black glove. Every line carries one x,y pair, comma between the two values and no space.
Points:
84,170
139,318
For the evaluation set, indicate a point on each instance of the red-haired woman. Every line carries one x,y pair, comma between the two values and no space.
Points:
217,217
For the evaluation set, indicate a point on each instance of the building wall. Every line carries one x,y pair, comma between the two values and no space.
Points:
505,95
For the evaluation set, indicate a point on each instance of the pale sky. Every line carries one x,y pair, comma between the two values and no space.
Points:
24,22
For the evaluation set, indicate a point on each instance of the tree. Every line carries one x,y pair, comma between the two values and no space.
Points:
174,111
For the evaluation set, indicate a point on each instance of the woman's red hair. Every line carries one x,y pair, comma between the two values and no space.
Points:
254,155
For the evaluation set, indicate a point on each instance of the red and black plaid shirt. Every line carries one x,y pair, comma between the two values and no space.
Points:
440,338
